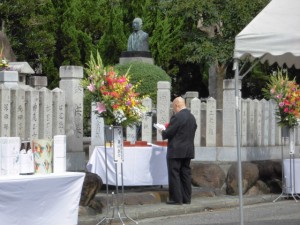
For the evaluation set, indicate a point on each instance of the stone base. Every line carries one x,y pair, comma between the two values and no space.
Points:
76,161
133,56
229,154
123,61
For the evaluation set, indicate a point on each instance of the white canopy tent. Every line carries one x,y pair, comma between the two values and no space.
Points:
272,36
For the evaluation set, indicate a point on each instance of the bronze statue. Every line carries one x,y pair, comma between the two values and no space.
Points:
138,40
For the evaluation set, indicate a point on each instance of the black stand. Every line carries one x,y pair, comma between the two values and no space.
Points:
115,137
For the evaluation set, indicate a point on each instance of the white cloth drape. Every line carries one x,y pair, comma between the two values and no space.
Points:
49,199
142,166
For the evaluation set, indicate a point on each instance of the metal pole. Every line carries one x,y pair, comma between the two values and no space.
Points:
238,137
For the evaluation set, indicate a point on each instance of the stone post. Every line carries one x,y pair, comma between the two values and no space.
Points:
251,119
131,134
272,122
257,123
5,110
97,130
229,118
265,123
189,96
211,122
244,121
147,121
46,112
196,111
163,104
70,83
18,113
58,109
32,108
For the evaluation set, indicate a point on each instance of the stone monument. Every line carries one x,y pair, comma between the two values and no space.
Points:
137,46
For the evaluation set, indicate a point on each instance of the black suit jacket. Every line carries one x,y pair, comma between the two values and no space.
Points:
180,134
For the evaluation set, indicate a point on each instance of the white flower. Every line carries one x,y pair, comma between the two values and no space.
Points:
119,116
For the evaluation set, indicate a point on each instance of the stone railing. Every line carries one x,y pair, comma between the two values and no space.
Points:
30,113
216,127
35,112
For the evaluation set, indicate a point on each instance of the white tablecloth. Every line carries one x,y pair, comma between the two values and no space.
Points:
142,166
290,176
40,199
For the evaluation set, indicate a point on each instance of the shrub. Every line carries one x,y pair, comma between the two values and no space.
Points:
148,75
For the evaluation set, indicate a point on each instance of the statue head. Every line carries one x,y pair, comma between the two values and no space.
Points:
137,24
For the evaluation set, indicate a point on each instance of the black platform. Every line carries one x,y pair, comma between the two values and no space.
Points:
128,54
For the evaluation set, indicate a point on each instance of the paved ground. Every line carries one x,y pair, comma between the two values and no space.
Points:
149,202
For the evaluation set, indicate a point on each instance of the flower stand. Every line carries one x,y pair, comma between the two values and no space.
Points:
113,137
288,188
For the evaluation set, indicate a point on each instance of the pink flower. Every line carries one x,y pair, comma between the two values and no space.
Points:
281,104
100,107
122,79
91,87
286,110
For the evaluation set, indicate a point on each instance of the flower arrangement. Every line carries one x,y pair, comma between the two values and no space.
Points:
3,62
115,97
286,94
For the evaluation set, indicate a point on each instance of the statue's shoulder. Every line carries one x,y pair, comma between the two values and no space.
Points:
143,33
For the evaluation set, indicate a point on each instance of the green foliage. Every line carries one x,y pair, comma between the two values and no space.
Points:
30,26
114,41
147,75
59,32
166,41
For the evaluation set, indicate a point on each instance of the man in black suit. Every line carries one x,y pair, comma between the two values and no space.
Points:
180,134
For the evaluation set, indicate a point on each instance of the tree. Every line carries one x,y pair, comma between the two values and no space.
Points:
113,42
30,26
214,25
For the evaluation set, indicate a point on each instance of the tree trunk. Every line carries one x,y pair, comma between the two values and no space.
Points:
217,73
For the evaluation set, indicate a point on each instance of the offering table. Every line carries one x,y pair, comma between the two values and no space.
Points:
142,166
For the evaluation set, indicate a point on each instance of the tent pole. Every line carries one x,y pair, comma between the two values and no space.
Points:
238,137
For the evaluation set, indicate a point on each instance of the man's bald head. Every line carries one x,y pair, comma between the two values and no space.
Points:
178,104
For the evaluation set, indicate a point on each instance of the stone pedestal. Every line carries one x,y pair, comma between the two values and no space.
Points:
38,81
9,78
133,56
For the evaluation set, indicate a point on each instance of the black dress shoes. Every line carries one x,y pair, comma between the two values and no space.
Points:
173,203
187,203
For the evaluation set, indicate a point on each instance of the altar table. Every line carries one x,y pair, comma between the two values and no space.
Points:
48,199
289,175
142,166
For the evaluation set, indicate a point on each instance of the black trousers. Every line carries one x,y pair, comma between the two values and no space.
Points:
180,180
